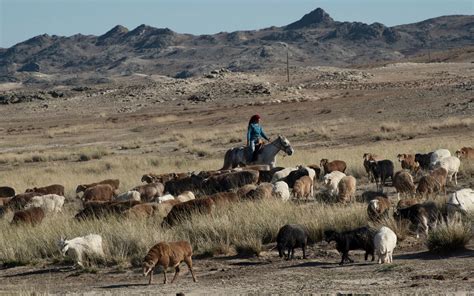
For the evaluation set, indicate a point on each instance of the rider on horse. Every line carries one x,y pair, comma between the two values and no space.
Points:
255,134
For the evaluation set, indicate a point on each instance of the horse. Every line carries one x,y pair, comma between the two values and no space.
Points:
236,156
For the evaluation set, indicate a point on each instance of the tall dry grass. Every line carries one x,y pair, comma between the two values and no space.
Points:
243,226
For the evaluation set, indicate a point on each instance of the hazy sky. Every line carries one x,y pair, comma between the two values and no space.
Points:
23,19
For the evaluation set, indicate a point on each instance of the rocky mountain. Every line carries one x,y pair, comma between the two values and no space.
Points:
315,39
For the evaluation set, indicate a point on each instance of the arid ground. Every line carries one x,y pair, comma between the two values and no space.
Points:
140,124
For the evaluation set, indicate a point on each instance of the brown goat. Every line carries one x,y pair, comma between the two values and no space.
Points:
346,189
427,186
51,189
4,201
115,183
440,175
101,192
465,153
184,210
168,255
243,191
368,158
303,188
335,165
408,202
31,216
407,161
150,191
378,208
223,198
403,183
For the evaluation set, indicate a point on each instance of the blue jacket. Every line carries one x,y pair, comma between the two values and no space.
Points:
255,132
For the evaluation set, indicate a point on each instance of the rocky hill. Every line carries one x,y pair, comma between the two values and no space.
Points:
315,39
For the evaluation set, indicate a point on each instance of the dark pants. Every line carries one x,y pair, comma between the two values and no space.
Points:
252,146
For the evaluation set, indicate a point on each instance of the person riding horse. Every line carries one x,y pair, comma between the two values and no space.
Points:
255,134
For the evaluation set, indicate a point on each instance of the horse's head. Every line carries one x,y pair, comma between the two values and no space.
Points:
285,145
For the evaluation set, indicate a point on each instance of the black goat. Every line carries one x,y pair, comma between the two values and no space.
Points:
357,239
424,160
292,236
424,216
382,170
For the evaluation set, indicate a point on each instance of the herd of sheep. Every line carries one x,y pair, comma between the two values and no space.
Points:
176,196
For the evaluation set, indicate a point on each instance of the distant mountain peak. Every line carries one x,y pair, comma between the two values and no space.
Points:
314,18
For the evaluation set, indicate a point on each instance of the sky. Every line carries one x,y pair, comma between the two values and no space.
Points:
23,19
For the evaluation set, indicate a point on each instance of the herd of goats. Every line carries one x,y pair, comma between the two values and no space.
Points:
176,196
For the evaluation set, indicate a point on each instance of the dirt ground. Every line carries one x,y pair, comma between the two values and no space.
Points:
322,108
414,270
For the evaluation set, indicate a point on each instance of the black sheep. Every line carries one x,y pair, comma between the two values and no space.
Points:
294,176
292,236
6,191
424,160
424,216
382,170
360,238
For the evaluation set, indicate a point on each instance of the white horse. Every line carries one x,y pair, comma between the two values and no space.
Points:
236,156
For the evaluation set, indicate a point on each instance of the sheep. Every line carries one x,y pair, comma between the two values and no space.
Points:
50,203
403,183
223,198
4,201
184,210
465,153
6,191
166,255
408,202
144,210
266,176
114,183
368,158
101,192
150,191
423,216
19,201
186,196
423,160
346,189
278,176
281,190
99,209
163,178
427,186
83,246
129,195
303,188
31,216
292,236
264,191
316,169
367,196
165,197
245,190
51,189
331,182
335,165
229,181
450,164
360,238
382,170
462,200
385,240
378,208
440,175
293,176
438,155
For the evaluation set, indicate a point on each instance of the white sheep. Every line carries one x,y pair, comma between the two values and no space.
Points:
462,200
186,196
438,155
49,203
311,172
76,248
282,174
129,195
385,240
281,190
165,197
331,182
450,164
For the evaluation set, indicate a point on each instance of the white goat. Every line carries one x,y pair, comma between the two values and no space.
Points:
129,195
385,240
281,190
450,164
79,247
311,172
462,200
331,181
438,155
49,203
282,174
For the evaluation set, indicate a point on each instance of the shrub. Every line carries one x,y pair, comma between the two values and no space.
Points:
449,237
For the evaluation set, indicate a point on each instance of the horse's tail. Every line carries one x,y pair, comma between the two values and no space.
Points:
227,160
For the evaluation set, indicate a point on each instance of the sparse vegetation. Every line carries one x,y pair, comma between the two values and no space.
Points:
449,237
